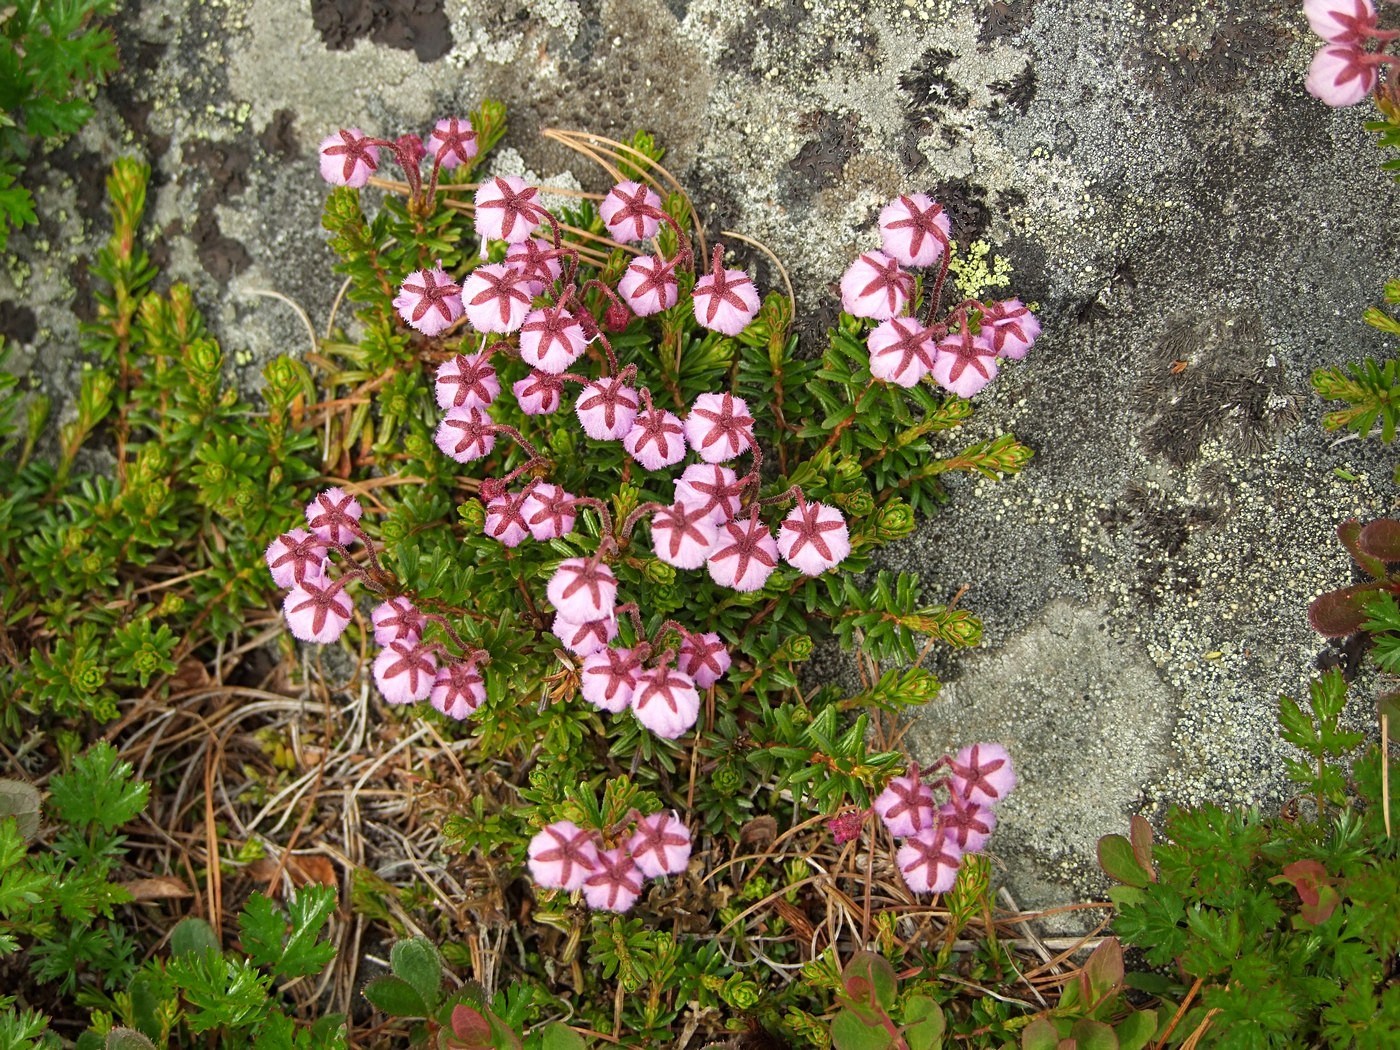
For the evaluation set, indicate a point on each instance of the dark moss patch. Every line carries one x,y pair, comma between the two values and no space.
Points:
965,203
279,139
18,323
222,256
1221,49
1014,95
932,93
1004,19
1160,526
820,162
419,26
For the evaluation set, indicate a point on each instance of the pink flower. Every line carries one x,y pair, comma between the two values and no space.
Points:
928,862
452,142
649,285
548,511
660,845
582,589
505,518
683,535
1011,327
1340,21
538,394
496,298
906,806
874,286
717,489
562,855
1341,75
813,538
902,351
405,671
967,824
665,701
458,689
584,639
744,556
847,826
348,158
551,339
704,657
615,884
914,230
982,773
429,301
506,209
466,382
607,408
537,260
725,300
719,427
333,516
631,212
318,610
609,677
656,439
295,555
396,621
965,363
465,435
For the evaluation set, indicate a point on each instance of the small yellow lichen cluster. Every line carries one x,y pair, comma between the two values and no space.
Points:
972,275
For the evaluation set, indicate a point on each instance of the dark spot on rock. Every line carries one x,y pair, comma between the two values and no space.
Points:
80,277
821,161
419,26
221,256
1160,527
1014,94
17,323
222,165
590,31
1005,19
966,206
279,139
777,22
1348,654
932,92
1212,378
1217,49
678,8
126,90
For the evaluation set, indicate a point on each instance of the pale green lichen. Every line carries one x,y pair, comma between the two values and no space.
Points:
971,273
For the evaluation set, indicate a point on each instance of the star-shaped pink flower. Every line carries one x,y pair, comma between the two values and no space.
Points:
551,339
452,142
538,394
649,285
396,620
562,855
660,845
506,209
584,639
983,774
429,301
615,884
813,538
928,862
715,488
874,286
582,589
318,609
906,806
608,678
538,261
466,381
334,516
607,408
1011,327
405,671
719,427
902,351
665,701
656,439
348,158
683,535
1341,75
725,300
744,556
914,230
496,298
631,212
505,518
1341,21
465,435
548,511
295,555
965,363
458,689
967,824
704,657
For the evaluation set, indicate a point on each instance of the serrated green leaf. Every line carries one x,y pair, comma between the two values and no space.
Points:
395,997
417,962
98,790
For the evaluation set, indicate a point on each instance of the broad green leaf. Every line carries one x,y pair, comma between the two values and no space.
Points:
128,1039
1118,860
557,1036
417,962
395,997
924,1023
1104,970
1136,1030
849,1032
193,935
1040,1034
869,979
1093,1035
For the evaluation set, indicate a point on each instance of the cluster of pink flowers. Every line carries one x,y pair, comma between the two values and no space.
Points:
318,609
937,836
564,856
959,352
1344,71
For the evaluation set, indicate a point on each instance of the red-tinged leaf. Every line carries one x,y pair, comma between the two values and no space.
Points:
870,980
1140,835
470,1028
1104,971
1315,890
1040,1034
1339,613
1349,532
1381,539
